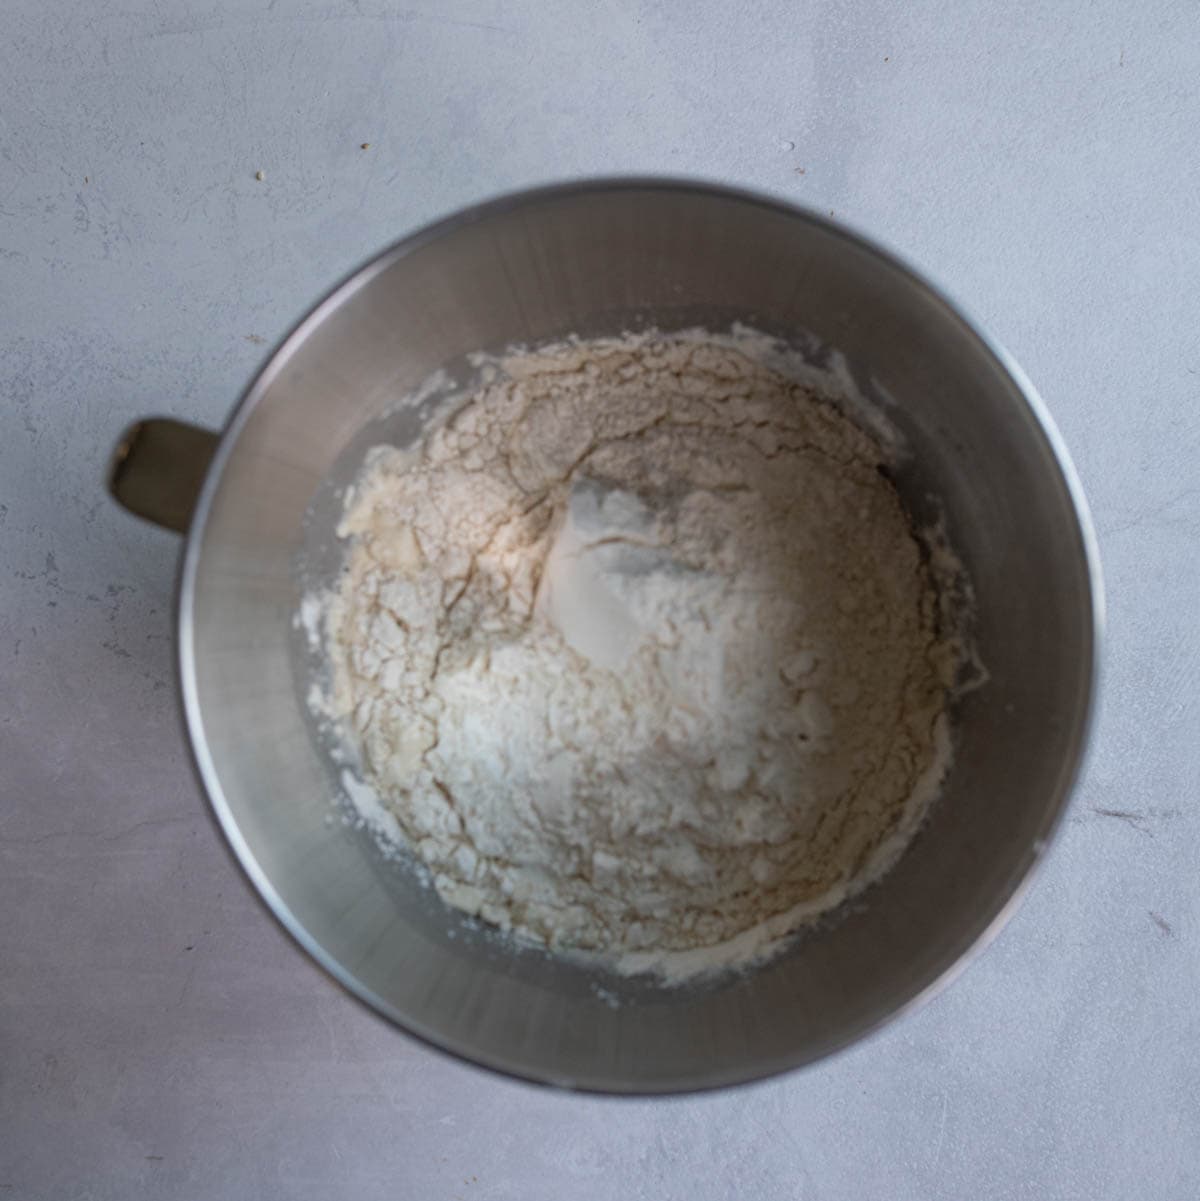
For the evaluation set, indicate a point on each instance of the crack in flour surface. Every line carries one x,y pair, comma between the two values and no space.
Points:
641,651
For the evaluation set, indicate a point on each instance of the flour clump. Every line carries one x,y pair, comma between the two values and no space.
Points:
641,651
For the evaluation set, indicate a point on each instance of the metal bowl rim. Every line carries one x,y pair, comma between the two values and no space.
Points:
275,362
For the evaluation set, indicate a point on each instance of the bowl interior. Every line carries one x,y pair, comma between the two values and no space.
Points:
600,259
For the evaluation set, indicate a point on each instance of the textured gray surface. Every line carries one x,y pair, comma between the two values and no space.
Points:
159,1037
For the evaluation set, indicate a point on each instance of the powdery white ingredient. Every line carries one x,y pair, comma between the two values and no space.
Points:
641,653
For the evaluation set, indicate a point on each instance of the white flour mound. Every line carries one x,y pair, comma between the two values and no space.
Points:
640,650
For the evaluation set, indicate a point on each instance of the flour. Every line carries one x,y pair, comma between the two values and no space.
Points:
641,654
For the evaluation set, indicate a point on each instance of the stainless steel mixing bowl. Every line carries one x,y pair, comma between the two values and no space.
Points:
599,258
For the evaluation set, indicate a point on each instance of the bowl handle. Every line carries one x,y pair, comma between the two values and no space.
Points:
158,467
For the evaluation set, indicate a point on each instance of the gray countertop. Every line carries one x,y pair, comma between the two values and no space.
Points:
159,1036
